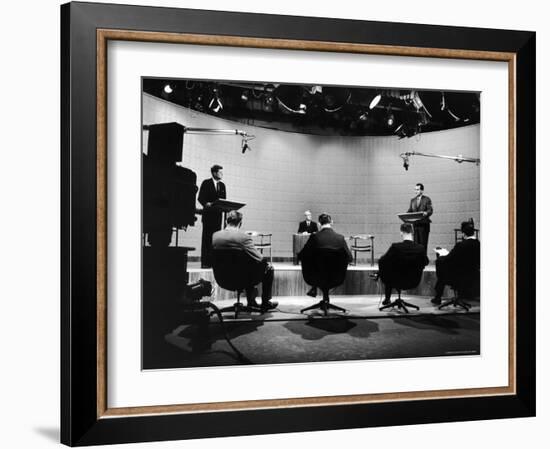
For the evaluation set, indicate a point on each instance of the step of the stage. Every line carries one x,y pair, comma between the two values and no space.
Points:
288,281
357,306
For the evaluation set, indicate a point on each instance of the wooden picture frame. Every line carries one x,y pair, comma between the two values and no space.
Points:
86,29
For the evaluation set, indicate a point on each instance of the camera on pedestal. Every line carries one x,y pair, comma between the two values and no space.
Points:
169,199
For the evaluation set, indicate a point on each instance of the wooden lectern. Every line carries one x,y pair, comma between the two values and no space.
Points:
226,206
411,217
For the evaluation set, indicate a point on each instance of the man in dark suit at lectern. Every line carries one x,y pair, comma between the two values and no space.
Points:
211,190
421,203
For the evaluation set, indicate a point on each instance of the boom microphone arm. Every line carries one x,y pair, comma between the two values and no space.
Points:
405,156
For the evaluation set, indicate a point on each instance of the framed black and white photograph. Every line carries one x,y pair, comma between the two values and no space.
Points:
284,151
276,224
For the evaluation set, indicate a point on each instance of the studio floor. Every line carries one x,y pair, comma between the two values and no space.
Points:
287,336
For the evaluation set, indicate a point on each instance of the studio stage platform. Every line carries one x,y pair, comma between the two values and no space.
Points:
288,282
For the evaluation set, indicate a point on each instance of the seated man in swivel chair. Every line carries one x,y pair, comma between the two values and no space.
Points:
460,267
326,238
233,238
405,253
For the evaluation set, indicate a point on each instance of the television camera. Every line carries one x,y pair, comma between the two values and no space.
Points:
169,205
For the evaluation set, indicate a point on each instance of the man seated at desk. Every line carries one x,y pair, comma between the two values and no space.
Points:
233,238
307,226
460,267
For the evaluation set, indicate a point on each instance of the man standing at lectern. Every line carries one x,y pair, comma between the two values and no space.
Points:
421,203
211,190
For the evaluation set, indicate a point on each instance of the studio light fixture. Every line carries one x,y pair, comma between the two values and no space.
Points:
215,103
331,108
316,90
374,102
390,118
268,99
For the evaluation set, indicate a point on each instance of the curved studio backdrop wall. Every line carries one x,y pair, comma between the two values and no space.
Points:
360,181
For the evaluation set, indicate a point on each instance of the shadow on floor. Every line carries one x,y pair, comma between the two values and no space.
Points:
49,433
448,325
318,328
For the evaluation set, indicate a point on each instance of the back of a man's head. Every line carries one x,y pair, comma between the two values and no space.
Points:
325,219
234,218
406,229
467,228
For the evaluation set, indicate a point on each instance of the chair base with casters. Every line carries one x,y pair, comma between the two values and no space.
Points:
325,268
234,270
400,304
456,301
324,305
239,307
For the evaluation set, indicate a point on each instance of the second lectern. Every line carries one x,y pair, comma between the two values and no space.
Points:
410,217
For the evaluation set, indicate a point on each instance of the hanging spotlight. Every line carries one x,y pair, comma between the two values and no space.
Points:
335,98
268,99
168,89
375,101
199,104
215,103
244,95
364,116
390,118
292,98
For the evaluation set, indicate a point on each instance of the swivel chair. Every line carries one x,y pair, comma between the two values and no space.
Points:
234,270
465,284
404,274
325,269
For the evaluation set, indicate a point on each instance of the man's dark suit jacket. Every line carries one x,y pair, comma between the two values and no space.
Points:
463,261
325,238
208,194
405,253
303,227
424,206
